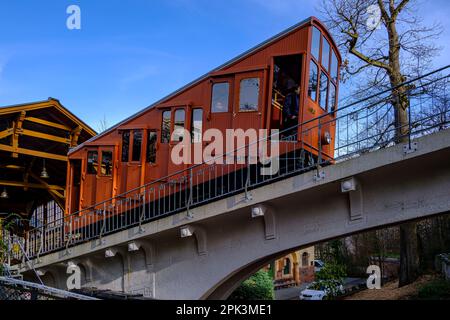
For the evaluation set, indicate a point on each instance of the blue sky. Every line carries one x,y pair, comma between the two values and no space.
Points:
129,54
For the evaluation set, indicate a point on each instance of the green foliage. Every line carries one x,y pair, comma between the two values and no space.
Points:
330,278
2,247
435,290
332,271
257,287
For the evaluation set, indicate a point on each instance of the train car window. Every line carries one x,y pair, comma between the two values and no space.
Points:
326,54
106,167
165,127
323,90
315,43
196,125
125,145
137,145
178,125
332,98
220,95
334,67
249,94
151,147
313,77
92,162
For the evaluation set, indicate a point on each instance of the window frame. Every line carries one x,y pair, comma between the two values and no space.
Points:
319,57
191,125
321,68
315,100
147,146
169,127
87,163
172,130
122,146
260,85
213,83
101,163
334,105
325,108
132,146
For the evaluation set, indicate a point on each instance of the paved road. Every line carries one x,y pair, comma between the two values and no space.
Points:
350,282
292,293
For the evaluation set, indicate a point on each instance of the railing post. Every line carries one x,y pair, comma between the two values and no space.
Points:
190,198
319,156
104,221
9,249
142,215
69,239
248,197
27,243
409,120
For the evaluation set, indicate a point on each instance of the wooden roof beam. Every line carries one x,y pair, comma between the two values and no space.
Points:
55,194
29,152
22,184
46,136
48,123
6,133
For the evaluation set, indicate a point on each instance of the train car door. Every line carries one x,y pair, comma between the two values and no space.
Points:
134,165
89,177
179,117
220,104
106,174
321,95
163,155
248,100
131,159
153,164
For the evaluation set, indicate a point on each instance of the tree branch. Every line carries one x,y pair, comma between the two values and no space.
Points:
368,60
399,8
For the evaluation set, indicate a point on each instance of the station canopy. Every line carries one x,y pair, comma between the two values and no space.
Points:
34,141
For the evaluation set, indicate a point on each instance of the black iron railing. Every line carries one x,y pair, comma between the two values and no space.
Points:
362,126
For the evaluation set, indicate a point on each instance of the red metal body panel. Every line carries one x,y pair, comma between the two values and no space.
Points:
258,64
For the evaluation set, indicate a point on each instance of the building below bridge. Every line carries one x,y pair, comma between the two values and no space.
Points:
293,269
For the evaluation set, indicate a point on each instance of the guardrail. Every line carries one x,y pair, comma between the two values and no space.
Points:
361,127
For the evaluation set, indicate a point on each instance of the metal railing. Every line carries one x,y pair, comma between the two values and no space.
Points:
360,127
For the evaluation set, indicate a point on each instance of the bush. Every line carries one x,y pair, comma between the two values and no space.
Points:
332,271
330,277
435,290
257,287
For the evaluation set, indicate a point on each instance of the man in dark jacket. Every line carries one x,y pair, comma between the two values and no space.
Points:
290,111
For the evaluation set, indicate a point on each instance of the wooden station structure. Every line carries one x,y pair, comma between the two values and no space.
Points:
34,141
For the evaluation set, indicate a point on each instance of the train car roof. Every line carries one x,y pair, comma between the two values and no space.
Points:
229,63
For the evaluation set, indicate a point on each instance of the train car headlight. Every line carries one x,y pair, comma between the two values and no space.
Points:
326,138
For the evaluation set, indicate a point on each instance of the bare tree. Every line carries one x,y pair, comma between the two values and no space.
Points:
103,124
386,43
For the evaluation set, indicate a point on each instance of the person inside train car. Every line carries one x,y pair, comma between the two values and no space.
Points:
290,112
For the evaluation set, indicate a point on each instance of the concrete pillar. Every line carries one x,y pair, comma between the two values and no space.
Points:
296,272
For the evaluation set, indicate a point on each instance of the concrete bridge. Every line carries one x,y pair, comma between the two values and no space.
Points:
207,256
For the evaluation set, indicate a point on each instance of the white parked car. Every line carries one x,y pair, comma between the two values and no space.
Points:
317,291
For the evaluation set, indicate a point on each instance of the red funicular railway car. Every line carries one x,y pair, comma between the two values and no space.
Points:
126,175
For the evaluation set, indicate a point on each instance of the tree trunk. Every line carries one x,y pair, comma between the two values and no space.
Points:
409,259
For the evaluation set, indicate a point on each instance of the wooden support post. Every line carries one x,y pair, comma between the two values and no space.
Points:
16,131
74,135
